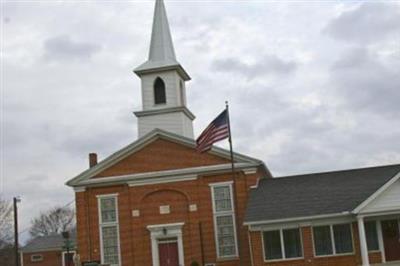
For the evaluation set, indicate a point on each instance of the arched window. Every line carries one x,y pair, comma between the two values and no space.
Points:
159,91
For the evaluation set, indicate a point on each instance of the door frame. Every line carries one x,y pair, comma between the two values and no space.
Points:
163,231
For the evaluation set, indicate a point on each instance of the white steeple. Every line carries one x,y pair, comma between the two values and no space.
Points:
162,52
161,46
163,83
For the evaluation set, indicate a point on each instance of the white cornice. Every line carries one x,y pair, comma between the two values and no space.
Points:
159,176
183,109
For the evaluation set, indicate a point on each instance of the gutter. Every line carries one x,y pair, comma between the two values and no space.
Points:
298,219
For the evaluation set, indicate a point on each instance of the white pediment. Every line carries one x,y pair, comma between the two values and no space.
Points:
388,200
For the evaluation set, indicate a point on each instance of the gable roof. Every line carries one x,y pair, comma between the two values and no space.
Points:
48,243
83,178
317,194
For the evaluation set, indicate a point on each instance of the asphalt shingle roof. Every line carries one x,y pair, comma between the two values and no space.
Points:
315,194
51,242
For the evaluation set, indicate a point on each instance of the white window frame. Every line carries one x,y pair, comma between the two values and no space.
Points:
63,256
377,234
38,259
282,244
224,213
108,224
334,254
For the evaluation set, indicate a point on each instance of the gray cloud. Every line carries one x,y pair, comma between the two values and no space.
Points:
264,66
366,83
370,22
64,47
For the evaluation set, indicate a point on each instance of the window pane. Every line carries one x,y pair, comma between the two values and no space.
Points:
108,210
272,245
226,237
322,240
372,235
110,244
292,242
222,198
343,240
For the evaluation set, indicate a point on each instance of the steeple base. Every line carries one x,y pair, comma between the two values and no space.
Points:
176,120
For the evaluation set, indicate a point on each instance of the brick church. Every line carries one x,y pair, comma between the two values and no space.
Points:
159,202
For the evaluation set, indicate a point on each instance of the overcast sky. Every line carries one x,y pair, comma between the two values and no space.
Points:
312,85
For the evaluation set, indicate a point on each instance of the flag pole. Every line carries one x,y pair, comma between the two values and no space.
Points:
234,182
230,138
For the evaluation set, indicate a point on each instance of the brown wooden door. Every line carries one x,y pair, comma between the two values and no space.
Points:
168,253
391,239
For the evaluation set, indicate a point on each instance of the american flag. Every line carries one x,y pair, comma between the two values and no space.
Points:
216,131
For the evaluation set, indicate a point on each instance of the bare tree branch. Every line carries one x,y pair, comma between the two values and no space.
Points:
6,223
55,220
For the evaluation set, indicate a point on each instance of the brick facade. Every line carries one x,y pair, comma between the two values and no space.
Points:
135,239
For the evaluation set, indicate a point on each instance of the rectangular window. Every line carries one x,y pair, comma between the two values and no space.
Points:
36,257
282,244
371,235
343,238
292,243
272,245
224,220
332,239
322,240
109,235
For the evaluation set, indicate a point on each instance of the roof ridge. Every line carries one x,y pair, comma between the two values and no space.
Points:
337,171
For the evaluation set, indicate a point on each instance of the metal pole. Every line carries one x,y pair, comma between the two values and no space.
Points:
69,261
16,245
238,227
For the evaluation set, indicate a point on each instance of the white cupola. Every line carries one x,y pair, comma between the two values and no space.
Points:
163,83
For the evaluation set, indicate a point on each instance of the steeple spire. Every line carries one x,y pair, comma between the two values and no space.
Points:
161,46
162,52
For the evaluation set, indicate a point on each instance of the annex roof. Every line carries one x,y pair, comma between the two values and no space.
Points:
48,243
84,178
316,194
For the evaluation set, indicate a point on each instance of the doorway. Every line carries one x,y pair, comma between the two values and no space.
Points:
168,252
391,239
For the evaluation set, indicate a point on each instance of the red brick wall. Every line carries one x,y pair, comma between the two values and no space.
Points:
161,155
50,258
308,251
134,236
